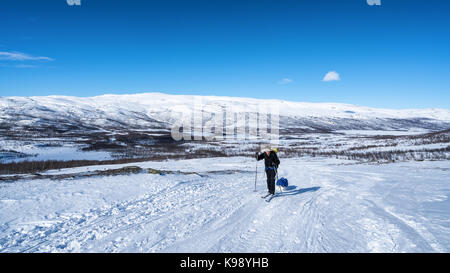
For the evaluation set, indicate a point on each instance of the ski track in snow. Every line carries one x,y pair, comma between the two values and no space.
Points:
328,207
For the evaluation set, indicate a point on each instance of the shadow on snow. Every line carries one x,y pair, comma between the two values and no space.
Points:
290,190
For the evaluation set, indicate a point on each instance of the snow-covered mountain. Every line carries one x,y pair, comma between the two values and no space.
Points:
139,126
156,111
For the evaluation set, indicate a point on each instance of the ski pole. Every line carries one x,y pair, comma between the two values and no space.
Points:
256,173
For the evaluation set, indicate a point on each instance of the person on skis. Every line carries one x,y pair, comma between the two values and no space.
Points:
271,163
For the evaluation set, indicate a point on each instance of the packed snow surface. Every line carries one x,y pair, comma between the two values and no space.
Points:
329,206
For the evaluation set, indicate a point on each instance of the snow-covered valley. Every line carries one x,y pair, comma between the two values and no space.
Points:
114,127
103,174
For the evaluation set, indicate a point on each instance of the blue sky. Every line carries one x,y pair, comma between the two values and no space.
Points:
395,55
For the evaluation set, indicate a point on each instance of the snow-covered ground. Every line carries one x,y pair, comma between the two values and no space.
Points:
330,206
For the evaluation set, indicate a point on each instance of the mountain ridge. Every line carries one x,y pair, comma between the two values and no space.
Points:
159,110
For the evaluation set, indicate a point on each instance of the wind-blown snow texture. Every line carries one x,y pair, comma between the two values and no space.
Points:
330,206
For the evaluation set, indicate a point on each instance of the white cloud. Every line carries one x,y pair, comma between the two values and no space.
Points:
285,81
374,2
19,56
331,76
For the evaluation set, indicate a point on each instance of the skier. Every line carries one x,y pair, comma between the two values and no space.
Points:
271,162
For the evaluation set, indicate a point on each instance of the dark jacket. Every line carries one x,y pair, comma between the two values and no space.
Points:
270,160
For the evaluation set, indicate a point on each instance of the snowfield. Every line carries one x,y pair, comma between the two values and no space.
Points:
330,206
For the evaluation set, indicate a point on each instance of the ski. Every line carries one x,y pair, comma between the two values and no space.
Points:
264,196
270,198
